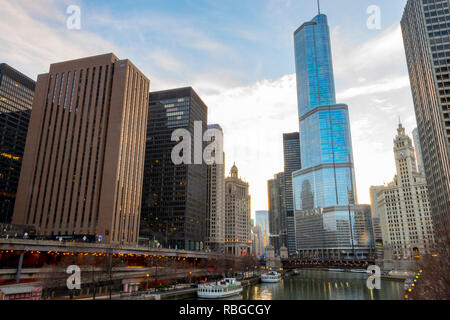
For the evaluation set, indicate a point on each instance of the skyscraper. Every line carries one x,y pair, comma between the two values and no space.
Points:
292,163
174,200
262,219
375,209
215,220
405,216
238,239
277,210
84,156
16,98
426,36
327,219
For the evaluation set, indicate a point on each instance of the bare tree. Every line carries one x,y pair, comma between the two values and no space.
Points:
433,279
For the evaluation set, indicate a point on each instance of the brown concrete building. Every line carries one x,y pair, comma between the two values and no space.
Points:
84,156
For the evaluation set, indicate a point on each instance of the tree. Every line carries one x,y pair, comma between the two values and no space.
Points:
433,282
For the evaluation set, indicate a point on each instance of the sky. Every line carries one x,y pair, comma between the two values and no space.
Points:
239,57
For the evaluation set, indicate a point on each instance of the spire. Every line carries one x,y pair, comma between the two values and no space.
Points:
400,129
318,6
234,171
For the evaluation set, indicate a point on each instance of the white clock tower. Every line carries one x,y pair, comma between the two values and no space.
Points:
405,219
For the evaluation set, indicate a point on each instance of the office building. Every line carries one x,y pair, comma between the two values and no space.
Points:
292,163
174,202
16,99
375,212
215,220
277,210
426,37
84,156
405,215
238,239
262,219
257,241
327,217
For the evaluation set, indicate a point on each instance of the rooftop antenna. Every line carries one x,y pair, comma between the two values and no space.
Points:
318,5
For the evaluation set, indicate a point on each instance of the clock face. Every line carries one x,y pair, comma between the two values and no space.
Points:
402,154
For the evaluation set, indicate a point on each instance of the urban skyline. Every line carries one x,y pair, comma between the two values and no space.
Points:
129,182
240,94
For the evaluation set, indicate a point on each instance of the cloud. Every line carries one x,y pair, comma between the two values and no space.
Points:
371,77
383,85
32,41
254,119
377,91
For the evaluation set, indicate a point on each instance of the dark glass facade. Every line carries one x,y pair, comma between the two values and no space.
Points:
174,201
426,35
277,210
292,163
16,99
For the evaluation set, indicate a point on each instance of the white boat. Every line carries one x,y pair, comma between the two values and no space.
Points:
336,270
358,270
271,277
226,288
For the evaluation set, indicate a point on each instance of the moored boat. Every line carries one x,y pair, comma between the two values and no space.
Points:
271,277
222,289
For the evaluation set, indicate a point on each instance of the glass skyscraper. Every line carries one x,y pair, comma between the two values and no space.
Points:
16,99
324,186
291,150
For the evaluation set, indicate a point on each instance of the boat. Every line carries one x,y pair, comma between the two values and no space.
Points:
336,270
271,277
358,270
221,289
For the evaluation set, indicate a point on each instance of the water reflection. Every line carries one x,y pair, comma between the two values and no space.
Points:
324,285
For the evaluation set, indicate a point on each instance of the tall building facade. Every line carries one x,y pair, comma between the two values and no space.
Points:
257,241
426,36
418,150
405,214
327,217
277,210
262,219
215,220
292,163
84,156
174,201
16,99
238,239
375,211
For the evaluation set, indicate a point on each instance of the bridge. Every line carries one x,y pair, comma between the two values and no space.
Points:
296,263
43,261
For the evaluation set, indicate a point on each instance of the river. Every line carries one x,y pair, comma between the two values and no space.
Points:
323,285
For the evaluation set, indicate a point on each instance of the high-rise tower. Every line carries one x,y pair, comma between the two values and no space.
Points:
237,215
327,219
405,218
215,219
84,156
427,45
174,200
292,163
16,99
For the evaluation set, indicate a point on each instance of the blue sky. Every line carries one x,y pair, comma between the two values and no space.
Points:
238,55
